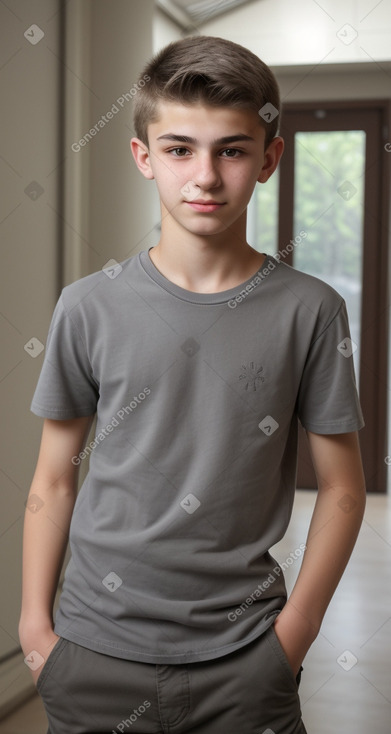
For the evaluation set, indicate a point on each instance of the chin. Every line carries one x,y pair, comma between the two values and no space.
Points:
207,227
207,233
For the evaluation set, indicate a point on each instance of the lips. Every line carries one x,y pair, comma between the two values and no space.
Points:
204,201
205,206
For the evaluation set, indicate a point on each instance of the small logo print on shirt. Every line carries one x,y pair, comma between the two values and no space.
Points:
112,581
268,425
251,376
347,347
190,503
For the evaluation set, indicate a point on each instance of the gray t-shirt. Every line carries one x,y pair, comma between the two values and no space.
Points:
193,465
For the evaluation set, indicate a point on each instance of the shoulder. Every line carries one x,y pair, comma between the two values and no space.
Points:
308,284
99,286
312,293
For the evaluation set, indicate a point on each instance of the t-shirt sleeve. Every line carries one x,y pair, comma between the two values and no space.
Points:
66,387
328,402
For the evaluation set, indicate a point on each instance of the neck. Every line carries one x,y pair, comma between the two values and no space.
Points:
205,263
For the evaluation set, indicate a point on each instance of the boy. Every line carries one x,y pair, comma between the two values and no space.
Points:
198,357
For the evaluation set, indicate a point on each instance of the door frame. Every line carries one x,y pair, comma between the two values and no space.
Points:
374,117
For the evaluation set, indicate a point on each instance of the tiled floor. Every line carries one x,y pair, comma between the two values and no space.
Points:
357,627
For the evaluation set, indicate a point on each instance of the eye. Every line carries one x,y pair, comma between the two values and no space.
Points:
178,152
232,152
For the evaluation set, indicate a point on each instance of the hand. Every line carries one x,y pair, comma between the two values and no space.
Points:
40,639
295,634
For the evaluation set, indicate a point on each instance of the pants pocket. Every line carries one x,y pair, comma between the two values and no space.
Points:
280,655
50,662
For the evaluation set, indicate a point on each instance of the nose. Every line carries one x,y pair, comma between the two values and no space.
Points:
206,174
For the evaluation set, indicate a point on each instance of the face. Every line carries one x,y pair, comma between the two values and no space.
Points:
206,162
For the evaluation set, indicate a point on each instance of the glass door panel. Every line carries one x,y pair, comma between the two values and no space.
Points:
329,207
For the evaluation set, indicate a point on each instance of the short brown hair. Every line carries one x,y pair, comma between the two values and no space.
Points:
210,70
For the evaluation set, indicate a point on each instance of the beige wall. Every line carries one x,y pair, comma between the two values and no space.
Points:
30,230
120,208
94,206
123,205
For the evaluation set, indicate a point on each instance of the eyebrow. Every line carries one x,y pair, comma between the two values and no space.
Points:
220,141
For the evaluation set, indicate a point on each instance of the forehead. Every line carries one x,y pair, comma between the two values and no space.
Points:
204,122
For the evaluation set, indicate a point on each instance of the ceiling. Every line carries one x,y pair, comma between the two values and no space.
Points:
192,13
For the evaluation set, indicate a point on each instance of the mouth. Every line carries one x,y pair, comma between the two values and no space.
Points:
205,206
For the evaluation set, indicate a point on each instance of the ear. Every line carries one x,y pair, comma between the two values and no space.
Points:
141,155
271,160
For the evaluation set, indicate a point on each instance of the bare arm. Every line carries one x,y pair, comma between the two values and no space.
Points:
333,531
52,494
